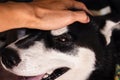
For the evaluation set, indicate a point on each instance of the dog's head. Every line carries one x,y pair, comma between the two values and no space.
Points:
64,54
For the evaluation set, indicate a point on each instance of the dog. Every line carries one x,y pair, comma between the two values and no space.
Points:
77,52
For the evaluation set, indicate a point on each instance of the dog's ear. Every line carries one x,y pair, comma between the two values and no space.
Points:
109,28
106,25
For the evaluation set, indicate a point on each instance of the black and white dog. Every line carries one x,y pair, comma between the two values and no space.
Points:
77,52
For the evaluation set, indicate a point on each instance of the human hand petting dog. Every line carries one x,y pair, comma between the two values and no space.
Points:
41,14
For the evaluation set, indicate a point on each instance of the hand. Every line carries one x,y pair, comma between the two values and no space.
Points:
60,4
41,14
54,14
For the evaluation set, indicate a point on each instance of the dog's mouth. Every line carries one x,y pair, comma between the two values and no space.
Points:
48,76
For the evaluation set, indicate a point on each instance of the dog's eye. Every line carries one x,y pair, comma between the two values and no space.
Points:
63,42
63,38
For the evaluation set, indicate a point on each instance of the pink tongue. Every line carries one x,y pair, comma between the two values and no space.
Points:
33,78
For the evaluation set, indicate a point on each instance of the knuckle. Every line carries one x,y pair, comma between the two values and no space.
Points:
83,13
83,16
83,6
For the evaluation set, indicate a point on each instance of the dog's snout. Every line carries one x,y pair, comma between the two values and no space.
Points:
10,58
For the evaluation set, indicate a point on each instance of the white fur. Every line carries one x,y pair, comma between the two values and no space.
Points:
84,66
60,31
38,60
103,11
108,28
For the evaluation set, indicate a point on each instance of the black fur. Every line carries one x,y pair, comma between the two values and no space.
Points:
10,57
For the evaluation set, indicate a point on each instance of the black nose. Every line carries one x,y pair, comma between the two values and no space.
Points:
10,58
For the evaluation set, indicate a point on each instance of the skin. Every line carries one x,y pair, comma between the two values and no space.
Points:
41,14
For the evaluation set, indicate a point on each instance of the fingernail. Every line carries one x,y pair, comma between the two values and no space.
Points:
88,19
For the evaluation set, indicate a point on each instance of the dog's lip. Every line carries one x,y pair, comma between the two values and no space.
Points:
55,74
39,77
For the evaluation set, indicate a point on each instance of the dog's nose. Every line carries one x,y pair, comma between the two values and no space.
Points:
10,58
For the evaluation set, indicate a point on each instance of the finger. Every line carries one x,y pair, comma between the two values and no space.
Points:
55,19
64,18
61,19
81,16
80,5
